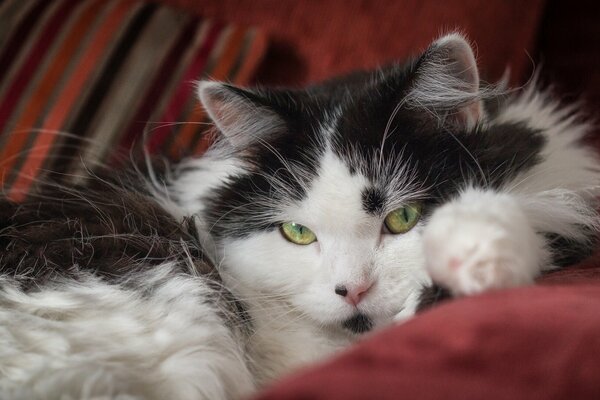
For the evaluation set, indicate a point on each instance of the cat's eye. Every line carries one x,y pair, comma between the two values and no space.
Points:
403,219
298,234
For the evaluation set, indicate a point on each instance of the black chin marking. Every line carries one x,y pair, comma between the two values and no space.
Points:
359,323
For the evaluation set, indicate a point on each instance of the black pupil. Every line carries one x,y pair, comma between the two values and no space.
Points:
405,214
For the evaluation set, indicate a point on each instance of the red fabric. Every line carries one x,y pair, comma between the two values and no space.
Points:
144,111
584,273
14,42
315,39
19,82
539,342
184,90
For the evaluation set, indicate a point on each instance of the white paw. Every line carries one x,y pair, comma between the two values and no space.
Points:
482,241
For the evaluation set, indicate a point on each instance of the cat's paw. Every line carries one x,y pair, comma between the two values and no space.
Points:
482,241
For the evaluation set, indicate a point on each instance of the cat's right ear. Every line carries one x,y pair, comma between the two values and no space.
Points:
447,82
241,115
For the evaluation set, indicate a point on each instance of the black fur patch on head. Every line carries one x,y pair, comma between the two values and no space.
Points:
373,200
361,111
444,158
243,205
359,323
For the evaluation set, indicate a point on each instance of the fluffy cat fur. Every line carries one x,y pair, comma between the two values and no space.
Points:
182,285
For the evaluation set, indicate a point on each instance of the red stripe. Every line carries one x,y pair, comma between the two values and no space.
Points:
20,34
184,140
32,63
157,87
182,94
61,108
38,99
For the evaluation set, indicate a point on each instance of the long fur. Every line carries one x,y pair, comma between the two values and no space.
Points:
180,284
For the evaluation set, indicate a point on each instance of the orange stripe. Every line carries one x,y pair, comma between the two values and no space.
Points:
65,100
227,59
251,60
10,152
40,95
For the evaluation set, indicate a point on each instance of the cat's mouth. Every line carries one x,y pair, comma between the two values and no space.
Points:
359,323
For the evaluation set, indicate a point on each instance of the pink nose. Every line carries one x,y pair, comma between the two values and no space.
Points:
353,294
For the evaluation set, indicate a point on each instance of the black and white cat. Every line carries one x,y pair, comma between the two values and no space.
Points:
328,212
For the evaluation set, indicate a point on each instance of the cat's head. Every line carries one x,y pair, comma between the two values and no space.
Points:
324,191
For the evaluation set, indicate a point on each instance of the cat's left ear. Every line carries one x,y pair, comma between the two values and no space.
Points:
241,115
446,82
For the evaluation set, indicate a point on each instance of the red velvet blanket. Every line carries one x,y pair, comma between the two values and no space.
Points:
540,342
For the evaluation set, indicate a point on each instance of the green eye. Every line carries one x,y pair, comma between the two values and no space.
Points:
403,219
298,234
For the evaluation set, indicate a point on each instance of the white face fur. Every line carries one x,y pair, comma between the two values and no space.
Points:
352,250
491,181
355,267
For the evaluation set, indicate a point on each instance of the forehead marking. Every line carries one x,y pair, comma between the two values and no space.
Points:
373,200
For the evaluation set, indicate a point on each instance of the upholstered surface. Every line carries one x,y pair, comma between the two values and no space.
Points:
531,343
84,67
315,39
81,79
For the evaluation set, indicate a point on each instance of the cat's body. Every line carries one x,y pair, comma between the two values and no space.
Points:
104,293
328,212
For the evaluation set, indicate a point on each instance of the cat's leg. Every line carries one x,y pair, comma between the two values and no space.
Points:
485,239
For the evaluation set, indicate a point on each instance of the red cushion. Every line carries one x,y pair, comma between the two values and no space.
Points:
311,40
106,72
538,342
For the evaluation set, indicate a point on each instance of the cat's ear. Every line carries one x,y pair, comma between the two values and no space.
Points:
241,115
446,82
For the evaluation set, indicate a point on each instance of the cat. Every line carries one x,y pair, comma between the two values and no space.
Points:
318,215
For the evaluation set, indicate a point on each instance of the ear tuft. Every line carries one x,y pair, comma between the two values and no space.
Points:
213,96
457,57
447,82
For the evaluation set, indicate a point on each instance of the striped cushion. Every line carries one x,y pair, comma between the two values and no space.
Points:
81,79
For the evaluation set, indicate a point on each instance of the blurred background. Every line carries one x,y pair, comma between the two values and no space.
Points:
314,39
83,81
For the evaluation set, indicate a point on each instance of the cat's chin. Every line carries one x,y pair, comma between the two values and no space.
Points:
358,324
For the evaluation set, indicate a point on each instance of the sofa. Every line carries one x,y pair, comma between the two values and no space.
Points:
539,342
